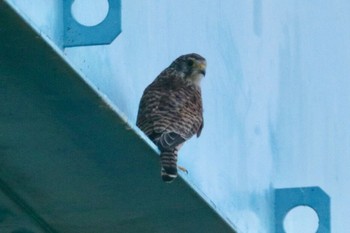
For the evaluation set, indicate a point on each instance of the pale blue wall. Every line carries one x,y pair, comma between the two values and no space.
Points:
45,16
276,94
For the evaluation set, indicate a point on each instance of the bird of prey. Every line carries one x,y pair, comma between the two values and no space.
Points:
171,111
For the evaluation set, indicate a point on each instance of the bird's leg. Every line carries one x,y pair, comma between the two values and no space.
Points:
182,169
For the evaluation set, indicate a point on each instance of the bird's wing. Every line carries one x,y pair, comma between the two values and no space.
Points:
150,117
169,106
200,128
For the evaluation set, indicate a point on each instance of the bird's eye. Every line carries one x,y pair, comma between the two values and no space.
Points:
190,63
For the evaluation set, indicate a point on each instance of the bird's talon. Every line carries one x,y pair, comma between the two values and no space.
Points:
182,169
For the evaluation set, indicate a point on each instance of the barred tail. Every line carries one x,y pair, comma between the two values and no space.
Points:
168,160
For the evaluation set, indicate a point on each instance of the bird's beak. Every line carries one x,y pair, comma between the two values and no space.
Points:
202,66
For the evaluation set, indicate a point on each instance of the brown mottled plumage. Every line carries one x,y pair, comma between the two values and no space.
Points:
171,111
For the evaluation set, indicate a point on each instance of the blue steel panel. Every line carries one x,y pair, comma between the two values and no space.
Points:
105,32
314,197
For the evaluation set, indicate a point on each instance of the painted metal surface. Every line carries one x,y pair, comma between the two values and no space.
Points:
13,219
76,34
276,93
314,197
69,163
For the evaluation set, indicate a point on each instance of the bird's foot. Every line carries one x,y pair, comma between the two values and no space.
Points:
182,169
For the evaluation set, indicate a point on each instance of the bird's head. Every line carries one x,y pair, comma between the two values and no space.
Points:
191,66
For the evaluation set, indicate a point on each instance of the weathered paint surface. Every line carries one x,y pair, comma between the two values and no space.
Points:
276,94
